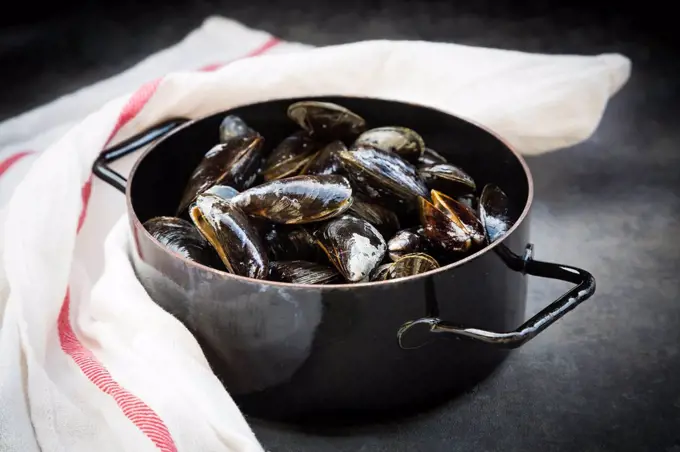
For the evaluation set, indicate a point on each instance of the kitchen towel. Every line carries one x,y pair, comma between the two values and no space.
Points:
87,360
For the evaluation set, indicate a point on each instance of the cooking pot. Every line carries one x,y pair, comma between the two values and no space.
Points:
293,352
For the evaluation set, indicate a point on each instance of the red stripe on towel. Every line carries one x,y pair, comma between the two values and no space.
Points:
11,160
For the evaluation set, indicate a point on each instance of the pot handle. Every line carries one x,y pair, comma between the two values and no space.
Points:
584,289
101,166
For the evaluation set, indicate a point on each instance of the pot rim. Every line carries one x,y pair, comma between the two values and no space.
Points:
525,211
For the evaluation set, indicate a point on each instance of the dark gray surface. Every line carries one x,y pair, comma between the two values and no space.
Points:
607,377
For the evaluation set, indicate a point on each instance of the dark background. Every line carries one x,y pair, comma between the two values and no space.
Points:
607,377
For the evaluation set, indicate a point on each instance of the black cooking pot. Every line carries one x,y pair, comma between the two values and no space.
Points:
287,351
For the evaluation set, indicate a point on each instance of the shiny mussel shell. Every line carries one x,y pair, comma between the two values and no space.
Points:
465,215
406,241
181,237
302,272
234,163
494,212
411,264
223,191
288,242
447,233
230,232
382,218
430,157
447,178
233,126
380,272
326,120
353,245
325,161
289,156
403,141
383,177
297,199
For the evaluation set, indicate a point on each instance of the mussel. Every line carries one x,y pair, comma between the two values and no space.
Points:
403,141
382,218
447,178
286,242
411,264
234,163
181,237
354,246
383,177
289,156
443,230
460,213
234,238
233,126
430,157
326,121
223,191
297,199
380,272
407,241
302,272
325,161
494,212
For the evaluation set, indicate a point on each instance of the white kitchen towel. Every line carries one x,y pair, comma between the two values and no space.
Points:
87,360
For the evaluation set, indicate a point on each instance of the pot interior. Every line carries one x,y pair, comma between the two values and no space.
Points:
159,177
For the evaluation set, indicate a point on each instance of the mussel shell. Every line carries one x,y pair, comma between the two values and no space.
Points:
382,218
223,191
494,208
380,272
325,161
286,242
297,199
403,141
181,237
443,231
411,264
232,235
406,241
447,178
289,156
326,120
383,177
464,215
430,157
233,163
233,126
354,246
302,272
469,200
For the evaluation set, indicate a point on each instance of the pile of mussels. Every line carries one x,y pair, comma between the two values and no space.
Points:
332,203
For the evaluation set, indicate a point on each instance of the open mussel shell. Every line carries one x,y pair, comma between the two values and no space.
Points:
233,126
494,212
288,242
181,237
302,272
297,199
354,246
430,157
382,218
383,177
461,213
234,163
327,121
325,161
447,178
411,264
232,235
406,241
442,230
403,141
289,156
